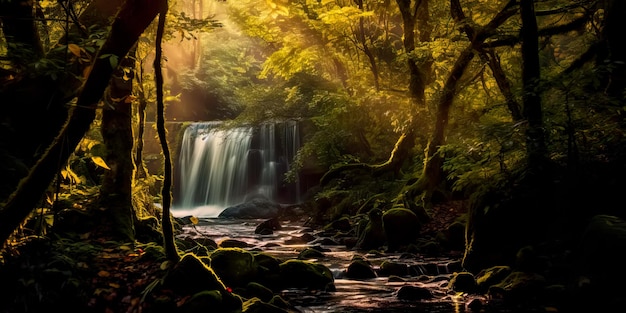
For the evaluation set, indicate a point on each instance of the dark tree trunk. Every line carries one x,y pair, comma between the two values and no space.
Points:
535,141
130,22
417,82
41,100
166,191
503,84
366,49
117,136
613,53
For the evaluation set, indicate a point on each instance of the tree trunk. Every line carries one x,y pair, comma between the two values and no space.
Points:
117,135
417,83
503,84
432,174
42,100
130,22
366,48
613,53
535,141
166,192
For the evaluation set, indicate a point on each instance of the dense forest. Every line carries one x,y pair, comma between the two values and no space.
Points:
493,129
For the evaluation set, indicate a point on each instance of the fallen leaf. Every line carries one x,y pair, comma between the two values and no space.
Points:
104,273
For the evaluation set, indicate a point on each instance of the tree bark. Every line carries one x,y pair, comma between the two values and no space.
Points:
130,22
117,136
417,83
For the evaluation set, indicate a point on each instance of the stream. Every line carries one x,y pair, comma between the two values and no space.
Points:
370,295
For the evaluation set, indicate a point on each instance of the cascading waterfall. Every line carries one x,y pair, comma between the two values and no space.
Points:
220,167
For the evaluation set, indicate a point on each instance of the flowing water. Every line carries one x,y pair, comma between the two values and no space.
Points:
351,295
219,167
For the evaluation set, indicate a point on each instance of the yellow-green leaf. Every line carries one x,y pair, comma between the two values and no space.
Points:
100,162
74,49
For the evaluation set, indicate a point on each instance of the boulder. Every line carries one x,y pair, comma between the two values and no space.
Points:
402,227
235,266
360,269
305,274
255,208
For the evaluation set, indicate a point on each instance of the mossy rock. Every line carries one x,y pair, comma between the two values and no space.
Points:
518,286
268,270
463,282
402,227
602,251
257,290
255,305
360,269
190,276
235,266
148,230
373,235
305,274
341,224
492,276
211,301
389,268
310,253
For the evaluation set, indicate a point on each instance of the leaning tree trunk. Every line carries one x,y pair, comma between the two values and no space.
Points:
129,24
432,175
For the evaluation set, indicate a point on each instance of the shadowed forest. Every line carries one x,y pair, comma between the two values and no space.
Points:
485,135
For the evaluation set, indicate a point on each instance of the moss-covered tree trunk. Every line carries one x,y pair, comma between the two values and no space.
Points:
117,136
130,22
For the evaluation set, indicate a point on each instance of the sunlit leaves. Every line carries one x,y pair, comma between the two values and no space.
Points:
74,49
100,162
290,60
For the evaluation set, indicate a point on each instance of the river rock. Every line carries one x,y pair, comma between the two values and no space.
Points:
235,266
414,293
463,282
360,269
305,274
255,208
190,276
402,227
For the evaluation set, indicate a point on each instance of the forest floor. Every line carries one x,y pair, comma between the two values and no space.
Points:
111,276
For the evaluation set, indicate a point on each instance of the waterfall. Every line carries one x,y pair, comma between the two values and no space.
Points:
220,167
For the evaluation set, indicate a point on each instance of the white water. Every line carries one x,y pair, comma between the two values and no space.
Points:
219,167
